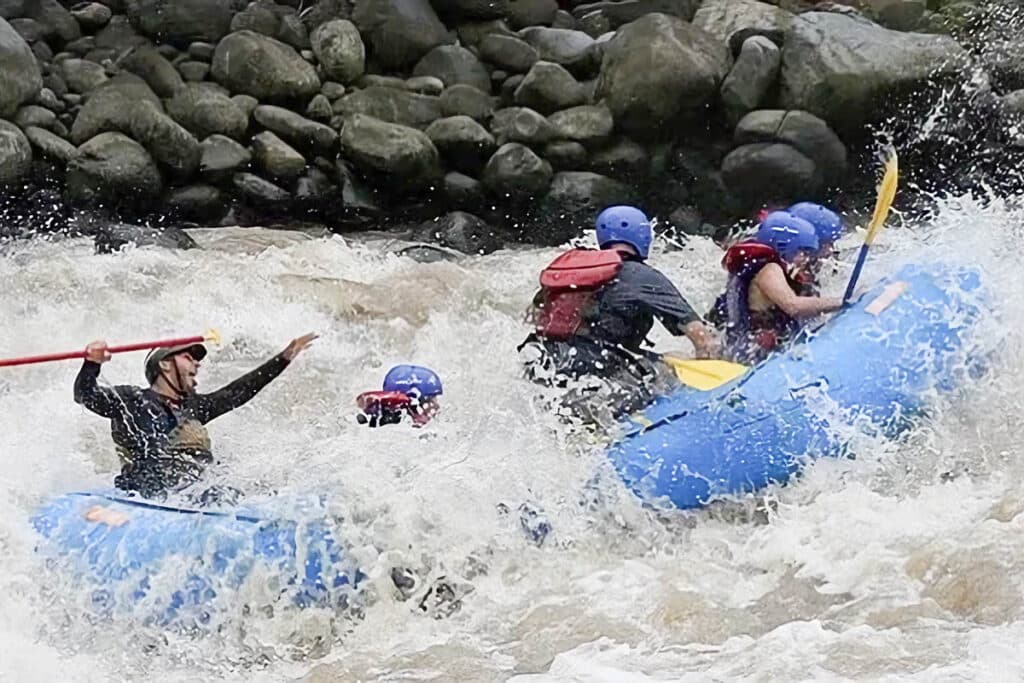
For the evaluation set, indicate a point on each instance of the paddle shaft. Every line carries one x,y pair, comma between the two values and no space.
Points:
70,355
861,258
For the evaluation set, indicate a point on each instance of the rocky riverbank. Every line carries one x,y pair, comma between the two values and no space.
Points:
479,121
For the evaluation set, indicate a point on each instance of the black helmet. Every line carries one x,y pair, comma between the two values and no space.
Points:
153,358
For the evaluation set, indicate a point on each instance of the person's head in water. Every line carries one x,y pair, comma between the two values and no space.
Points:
828,226
171,370
624,228
793,238
411,390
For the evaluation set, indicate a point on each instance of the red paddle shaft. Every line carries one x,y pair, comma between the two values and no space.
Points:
46,358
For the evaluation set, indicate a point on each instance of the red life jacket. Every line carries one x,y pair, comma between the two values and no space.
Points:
568,286
379,402
763,329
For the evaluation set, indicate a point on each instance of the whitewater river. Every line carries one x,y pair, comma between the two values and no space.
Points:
906,563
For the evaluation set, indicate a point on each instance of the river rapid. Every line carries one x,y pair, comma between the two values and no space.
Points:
905,563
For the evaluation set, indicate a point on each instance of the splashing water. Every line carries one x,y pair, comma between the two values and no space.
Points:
901,563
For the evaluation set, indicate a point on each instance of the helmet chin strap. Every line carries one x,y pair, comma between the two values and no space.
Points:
175,386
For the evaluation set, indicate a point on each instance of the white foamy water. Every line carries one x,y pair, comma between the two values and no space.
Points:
903,564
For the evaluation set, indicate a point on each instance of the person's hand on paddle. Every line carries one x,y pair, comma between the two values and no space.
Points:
299,345
97,352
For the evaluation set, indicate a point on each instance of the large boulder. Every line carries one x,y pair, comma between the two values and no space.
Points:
82,76
113,168
454,65
520,124
842,67
459,230
112,237
466,100
15,153
276,158
399,32
146,62
204,203
51,146
587,124
169,142
221,157
111,107
515,170
265,68
566,155
56,22
526,13
577,196
204,110
805,132
548,87
118,35
182,21
297,130
400,153
733,21
559,45
752,76
339,49
509,53
20,77
660,67
463,142
258,191
622,12
391,105
91,16
793,175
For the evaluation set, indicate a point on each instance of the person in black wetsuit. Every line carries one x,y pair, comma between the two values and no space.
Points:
160,431
596,308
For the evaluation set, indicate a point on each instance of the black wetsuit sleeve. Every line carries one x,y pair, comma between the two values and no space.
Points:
239,392
655,293
108,402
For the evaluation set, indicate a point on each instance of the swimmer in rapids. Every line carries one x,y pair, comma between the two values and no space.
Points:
160,431
408,390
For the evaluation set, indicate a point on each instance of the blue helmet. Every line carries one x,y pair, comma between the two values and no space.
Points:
627,225
414,380
827,223
788,234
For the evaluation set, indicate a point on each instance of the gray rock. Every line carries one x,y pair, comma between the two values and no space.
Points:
48,99
119,35
15,153
471,33
461,231
582,195
276,157
624,158
50,145
57,23
355,194
428,253
12,9
594,24
467,101
657,68
391,105
454,65
201,203
512,54
29,29
42,52
319,108
257,17
463,142
260,192
111,168
687,219
293,32
807,133
463,191
20,77
518,124
400,153
315,190
297,130
425,85
794,176
559,45
514,170
548,87
202,52
91,16
82,46
82,76
168,52
376,80
55,83
399,32
566,155
459,10
839,67
166,139
34,115
222,157
564,20
340,50
733,21
246,103
753,74
193,72
899,15
149,65
626,11
588,124
113,237
332,90
204,110
182,21
524,13
100,55
265,68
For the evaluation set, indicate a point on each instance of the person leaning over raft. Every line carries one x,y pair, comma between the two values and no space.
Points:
160,431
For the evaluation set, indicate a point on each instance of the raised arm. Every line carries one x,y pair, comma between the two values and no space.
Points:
773,284
105,401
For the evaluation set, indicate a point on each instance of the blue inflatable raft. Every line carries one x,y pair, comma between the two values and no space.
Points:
879,359
175,562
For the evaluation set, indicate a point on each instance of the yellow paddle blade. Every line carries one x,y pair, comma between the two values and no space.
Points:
213,336
886,193
705,374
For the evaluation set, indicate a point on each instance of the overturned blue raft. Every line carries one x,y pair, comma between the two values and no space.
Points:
175,563
879,359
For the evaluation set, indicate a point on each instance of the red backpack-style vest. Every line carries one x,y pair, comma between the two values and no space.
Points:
568,286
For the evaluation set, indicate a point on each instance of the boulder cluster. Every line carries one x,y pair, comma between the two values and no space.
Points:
530,113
